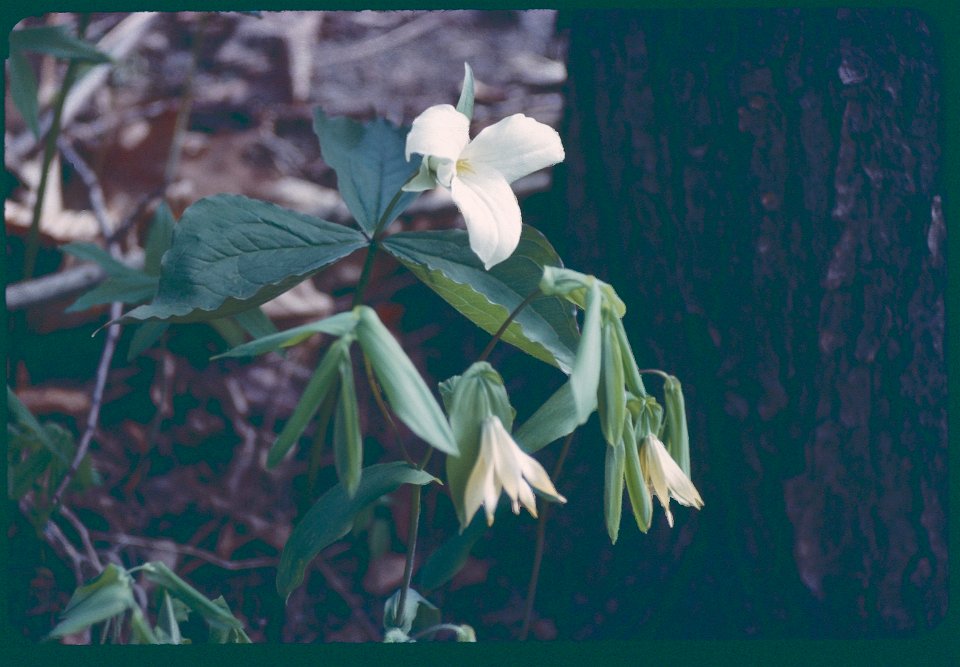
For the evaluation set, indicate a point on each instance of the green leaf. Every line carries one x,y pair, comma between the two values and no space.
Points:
140,630
585,378
320,385
450,557
23,416
159,239
443,260
553,420
144,337
409,396
167,625
632,377
614,465
107,595
91,252
231,252
417,613
22,475
640,501
331,517
371,166
23,90
56,41
213,614
612,399
336,325
255,322
219,635
347,441
465,103
131,288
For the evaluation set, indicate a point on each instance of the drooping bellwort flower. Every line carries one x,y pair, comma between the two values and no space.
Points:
665,478
502,465
478,173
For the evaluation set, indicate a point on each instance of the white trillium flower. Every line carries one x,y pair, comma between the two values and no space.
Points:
478,173
665,478
502,465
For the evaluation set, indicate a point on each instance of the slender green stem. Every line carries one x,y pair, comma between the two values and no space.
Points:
538,550
33,238
506,324
365,273
382,222
653,371
411,548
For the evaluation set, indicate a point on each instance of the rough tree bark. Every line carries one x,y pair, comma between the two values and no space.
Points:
762,187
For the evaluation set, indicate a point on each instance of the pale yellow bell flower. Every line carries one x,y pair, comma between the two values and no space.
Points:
478,173
665,478
502,465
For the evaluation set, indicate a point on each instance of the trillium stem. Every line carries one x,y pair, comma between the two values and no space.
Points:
653,371
365,273
411,547
541,536
506,324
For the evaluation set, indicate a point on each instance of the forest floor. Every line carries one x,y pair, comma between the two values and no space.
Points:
181,441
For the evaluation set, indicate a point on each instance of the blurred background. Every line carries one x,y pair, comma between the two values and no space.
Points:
763,189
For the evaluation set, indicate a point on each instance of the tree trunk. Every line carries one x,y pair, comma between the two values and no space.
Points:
762,189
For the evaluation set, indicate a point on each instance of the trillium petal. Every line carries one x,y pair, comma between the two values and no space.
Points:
666,477
475,491
535,474
440,131
515,146
490,210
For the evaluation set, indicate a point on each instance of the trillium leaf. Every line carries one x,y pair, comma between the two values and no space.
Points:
159,239
614,469
585,379
231,252
331,517
106,596
370,163
611,399
545,329
678,440
408,394
553,420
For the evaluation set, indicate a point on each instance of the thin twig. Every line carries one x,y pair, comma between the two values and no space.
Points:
103,369
84,536
370,47
123,539
186,105
89,179
541,536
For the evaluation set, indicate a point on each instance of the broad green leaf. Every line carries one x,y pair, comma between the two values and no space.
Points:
408,394
678,440
255,322
347,441
55,41
140,630
585,378
450,557
23,90
337,325
465,103
145,336
545,329
553,420
331,517
132,288
611,399
614,465
370,165
231,252
321,384
91,252
159,239
213,614
109,594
